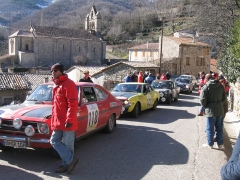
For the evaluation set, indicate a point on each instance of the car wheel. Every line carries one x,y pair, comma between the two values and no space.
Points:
169,101
110,125
155,105
136,110
176,98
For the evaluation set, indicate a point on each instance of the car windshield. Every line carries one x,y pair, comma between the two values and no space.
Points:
183,80
128,88
161,85
41,93
185,76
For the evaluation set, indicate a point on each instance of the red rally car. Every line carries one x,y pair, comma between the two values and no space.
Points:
29,124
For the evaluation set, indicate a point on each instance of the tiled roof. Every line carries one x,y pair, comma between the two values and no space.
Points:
63,32
186,41
148,46
92,69
13,82
22,33
36,79
213,62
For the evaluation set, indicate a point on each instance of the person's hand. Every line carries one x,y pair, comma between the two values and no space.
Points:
67,125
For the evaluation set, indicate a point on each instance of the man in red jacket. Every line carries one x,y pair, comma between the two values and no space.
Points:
64,118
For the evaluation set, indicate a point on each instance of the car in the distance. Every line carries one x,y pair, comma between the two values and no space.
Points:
29,124
167,89
136,97
192,77
185,84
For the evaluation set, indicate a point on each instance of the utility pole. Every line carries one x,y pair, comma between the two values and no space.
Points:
160,53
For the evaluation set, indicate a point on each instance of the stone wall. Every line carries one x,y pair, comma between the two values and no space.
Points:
234,98
15,95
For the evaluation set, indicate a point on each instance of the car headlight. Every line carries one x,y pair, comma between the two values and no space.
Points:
187,86
17,123
0,121
43,128
29,130
161,94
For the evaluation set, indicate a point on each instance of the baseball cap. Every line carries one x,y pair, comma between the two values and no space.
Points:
58,66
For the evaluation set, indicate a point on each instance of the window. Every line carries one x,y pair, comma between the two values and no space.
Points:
26,47
136,54
206,51
151,54
143,53
188,61
101,95
202,62
79,49
63,46
89,95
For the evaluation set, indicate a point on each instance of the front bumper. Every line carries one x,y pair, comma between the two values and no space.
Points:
30,141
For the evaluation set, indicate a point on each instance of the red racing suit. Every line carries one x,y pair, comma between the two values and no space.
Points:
65,104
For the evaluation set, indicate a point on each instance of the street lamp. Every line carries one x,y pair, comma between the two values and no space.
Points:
160,53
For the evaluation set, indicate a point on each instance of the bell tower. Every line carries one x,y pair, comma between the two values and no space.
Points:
93,22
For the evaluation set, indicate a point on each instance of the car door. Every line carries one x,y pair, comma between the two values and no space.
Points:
149,96
173,89
89,111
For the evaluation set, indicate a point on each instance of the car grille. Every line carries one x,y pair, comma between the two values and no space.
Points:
7,125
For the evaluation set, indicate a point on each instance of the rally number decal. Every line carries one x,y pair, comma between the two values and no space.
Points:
93,116
149,98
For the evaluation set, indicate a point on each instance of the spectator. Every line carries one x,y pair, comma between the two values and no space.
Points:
231,170
168,76
201,84
158,76
149,79
140,77
135,76
128,78
145,75
211,97
163,77
86,77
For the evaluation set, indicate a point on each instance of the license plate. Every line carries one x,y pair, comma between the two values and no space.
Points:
14,144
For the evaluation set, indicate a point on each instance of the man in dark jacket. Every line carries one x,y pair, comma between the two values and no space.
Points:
64,118
86,77
212,97
231,170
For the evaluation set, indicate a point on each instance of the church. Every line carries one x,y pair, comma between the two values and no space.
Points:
43,46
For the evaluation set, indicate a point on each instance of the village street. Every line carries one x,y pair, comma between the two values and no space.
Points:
162,144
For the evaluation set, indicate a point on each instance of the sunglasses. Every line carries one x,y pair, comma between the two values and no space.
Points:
55,70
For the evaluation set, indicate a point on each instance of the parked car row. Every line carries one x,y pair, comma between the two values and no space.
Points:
29,124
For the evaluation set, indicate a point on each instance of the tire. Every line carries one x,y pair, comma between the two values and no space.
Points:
176,98
110,125
136,111
169,100
155,105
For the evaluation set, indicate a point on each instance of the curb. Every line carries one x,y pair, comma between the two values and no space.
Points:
232,126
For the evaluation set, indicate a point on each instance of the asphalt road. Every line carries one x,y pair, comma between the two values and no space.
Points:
165,144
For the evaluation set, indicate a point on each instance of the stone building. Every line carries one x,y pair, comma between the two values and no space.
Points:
43,46
179,55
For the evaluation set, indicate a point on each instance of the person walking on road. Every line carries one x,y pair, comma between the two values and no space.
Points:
64,118
212,97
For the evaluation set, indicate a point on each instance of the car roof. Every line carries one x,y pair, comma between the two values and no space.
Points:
132,83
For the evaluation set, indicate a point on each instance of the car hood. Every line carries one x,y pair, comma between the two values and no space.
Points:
182,84
120,95
28,110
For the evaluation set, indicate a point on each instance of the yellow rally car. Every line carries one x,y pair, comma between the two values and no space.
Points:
136,97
